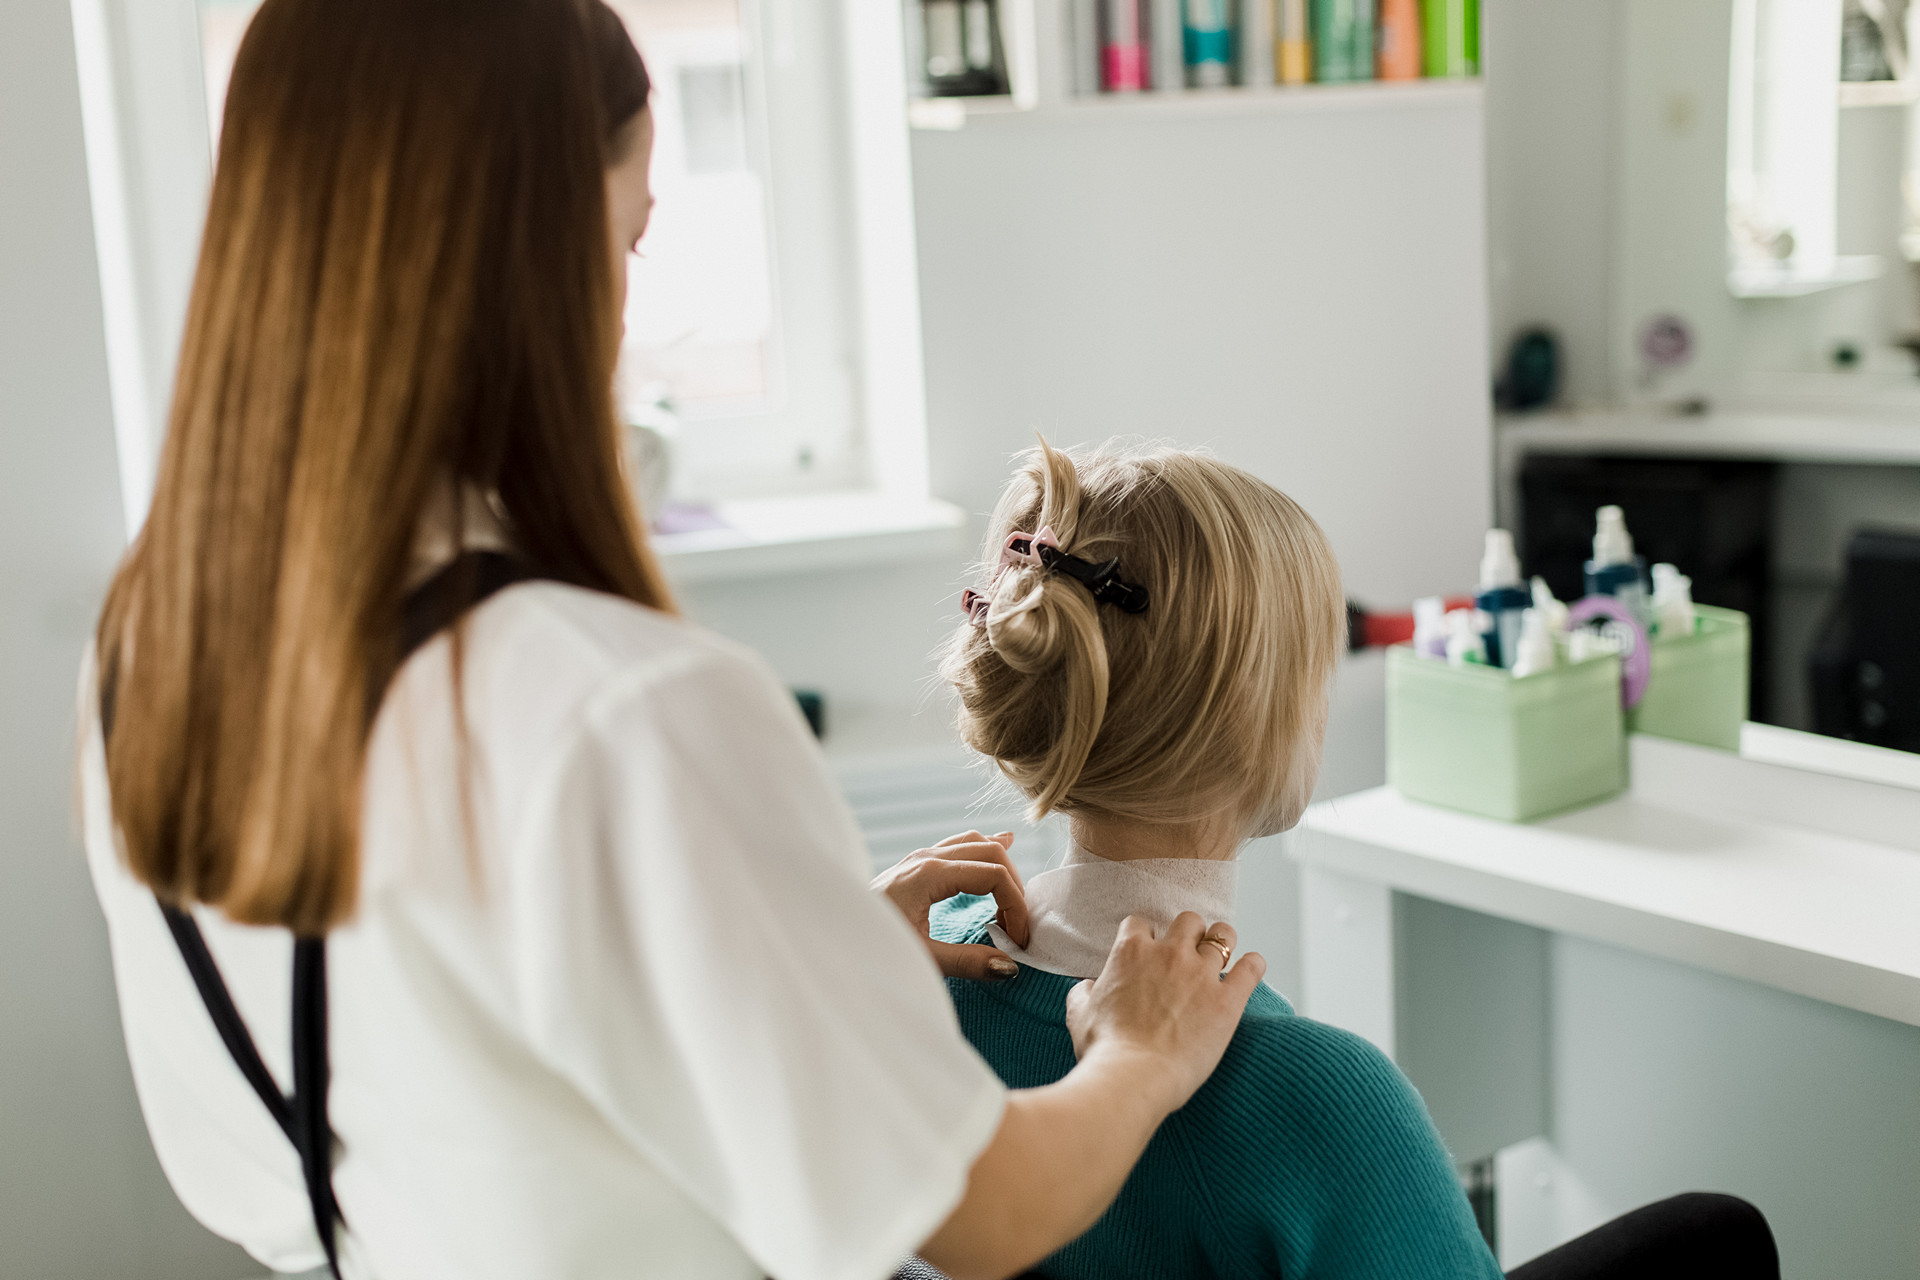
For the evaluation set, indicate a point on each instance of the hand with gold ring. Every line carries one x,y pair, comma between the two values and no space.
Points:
1221,938
1161,1001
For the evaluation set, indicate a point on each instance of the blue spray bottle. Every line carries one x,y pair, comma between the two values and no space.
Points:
1501,598
1614,570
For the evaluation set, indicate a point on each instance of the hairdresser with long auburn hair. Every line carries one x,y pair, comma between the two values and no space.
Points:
472,914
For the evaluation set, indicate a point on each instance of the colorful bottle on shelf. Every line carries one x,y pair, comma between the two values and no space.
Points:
1398,54
1253,43
1123,46
1342,40
1292,42
1206,37
1450,38
943,41
982,28
960,41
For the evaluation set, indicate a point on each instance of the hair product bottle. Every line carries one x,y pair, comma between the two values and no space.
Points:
1123,46
1501,597
1450,36
1399,54
1342,40
1292,42
1614,570
1207,37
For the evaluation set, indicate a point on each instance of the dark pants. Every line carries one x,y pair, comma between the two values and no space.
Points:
1697,1236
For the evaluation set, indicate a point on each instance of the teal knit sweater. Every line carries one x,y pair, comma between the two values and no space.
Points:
1306,1156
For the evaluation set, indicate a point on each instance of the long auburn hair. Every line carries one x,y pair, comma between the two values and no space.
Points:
404,290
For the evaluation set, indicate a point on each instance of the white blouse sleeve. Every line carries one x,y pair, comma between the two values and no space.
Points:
700,955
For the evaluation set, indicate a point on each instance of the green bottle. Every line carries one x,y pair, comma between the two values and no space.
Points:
1450,38
1342,40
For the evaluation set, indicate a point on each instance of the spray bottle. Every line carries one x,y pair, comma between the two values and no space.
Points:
1614,570
1501,597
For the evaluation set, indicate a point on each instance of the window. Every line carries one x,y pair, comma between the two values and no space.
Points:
773,305
738,309
1783,103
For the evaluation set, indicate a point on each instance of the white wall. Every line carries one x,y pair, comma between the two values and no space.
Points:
1553,91
83,1195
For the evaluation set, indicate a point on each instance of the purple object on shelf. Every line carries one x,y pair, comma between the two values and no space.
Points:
1637,662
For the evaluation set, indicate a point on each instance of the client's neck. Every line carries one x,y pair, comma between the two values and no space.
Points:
1212,839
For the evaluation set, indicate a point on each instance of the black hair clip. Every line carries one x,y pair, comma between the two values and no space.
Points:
1102,580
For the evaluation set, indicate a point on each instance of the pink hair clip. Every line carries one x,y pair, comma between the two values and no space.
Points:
1019,549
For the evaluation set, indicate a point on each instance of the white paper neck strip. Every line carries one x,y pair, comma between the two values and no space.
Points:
1077,908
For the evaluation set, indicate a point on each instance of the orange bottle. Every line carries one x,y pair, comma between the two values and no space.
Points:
1397,47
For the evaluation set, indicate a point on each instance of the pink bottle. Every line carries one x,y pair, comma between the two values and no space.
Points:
1123,46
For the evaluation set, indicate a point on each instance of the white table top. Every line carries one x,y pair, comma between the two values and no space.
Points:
1798,880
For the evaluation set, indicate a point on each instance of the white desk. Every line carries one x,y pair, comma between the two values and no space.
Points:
1609,1075
1800,880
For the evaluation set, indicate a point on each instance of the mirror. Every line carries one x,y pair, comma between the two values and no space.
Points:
1713,208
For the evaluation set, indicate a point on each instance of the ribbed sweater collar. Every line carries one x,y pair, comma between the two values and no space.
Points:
1076,909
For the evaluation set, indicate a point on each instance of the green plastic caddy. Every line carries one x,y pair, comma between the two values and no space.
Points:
1480,740
1697,687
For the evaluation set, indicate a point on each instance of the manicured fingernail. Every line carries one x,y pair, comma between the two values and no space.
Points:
1002,968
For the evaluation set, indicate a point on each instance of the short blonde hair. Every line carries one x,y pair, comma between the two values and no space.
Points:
1198,706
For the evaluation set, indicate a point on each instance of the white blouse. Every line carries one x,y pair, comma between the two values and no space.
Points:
642,1018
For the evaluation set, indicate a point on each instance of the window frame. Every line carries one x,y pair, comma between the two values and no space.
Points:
149,160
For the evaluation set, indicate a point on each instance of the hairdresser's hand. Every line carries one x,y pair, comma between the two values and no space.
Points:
1164,1000
966,863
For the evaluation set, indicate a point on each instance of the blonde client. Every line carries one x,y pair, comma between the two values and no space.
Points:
1149,653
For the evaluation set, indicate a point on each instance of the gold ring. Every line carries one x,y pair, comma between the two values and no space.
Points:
1226,952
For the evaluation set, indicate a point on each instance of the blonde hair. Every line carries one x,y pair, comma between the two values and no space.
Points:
1197,707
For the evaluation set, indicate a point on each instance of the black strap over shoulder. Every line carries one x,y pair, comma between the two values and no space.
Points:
302,1115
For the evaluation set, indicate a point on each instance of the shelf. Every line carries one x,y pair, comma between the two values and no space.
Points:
1785,437
1785,282
1798,880
1879,93
765,537
937,113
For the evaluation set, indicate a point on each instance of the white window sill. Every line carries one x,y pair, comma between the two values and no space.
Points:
762,537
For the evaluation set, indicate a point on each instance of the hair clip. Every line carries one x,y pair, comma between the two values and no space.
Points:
1102,580
1042,550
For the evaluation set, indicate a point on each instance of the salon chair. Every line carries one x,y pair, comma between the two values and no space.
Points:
1696,1236
1864,672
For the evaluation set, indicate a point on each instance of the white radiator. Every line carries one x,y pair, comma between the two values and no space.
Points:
913,806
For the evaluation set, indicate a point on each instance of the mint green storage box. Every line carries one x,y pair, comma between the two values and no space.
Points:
1697,687
1478,739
